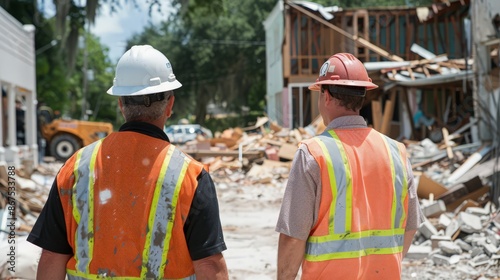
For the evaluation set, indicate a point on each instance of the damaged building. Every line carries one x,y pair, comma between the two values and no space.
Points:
437,68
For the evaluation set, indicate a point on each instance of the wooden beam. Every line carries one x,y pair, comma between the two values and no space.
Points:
396,38
357,39
377,114
377,34
287,45
409,36
388,113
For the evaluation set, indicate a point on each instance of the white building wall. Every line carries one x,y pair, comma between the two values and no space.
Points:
274,27
18,78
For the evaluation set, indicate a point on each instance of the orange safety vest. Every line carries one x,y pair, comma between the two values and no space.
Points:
363,208
125,201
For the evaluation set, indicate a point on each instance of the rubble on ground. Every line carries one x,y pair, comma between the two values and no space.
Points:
460,238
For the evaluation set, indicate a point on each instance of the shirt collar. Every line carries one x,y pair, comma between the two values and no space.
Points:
347,122
146,129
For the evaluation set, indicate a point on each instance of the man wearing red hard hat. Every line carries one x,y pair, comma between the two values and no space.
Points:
350,208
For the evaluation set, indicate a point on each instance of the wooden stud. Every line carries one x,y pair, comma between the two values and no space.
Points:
377,114
388,113
286,51
377,34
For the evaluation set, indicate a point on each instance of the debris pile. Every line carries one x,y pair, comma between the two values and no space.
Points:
460,238
23,195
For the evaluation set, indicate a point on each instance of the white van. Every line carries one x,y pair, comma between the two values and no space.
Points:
182,133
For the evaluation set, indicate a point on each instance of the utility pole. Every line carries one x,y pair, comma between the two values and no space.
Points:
85,73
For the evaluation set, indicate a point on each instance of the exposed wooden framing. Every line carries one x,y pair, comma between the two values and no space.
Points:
355,30
437,108
309,44
447,48
377,34
454,101
436,34
409,35
388,32
343,42
299,43
411,73
377,114
458,33
366,34
425,27
442,103
287,45
388,112
357,39
397,47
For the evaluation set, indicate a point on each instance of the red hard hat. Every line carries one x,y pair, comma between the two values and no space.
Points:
343,69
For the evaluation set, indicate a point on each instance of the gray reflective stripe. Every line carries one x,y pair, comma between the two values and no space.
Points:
165,211
84,231
354,245
95,276
400,176
339,218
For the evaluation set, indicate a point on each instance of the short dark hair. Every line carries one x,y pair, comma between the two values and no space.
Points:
353,102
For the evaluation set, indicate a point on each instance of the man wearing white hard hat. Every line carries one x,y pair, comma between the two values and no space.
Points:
132,205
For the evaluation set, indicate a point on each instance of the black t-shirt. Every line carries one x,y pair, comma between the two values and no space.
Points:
203,232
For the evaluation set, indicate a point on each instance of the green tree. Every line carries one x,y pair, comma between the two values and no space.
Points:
100,76
57,86
218,57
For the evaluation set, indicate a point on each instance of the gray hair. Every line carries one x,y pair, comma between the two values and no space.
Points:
141,112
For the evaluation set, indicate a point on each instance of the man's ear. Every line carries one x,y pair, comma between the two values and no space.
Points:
120,104
327,97
170,106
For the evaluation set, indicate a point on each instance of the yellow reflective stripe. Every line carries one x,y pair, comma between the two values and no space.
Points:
353,245
393,176
355,254
355,235
76,214
348,178
170,224
83,204
76,275
333,184
91,202
404,192
152,211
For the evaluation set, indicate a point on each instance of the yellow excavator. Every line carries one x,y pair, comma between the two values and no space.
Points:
65,136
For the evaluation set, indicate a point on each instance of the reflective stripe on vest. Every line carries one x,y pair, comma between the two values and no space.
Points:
341,242
160,221
73,275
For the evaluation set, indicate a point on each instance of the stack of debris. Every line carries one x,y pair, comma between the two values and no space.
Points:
23,193
461,234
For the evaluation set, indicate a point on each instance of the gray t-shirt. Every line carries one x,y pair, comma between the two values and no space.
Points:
300,206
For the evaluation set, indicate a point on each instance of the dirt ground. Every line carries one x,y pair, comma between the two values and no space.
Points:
248,216
249,213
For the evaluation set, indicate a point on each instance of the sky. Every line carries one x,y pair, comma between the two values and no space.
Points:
114,30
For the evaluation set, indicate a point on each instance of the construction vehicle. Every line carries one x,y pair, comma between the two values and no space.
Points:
66,136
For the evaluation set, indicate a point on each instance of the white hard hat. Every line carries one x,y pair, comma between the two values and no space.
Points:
143,70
